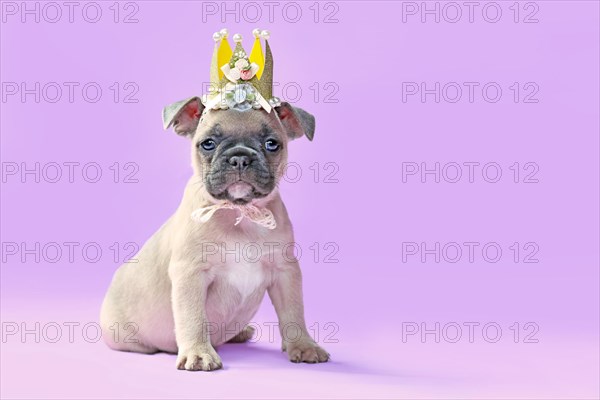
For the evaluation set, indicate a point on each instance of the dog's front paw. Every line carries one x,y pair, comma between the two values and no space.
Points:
204,359
306,351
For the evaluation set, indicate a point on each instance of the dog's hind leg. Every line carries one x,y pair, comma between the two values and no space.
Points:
124,336
242,337
135,347
121,333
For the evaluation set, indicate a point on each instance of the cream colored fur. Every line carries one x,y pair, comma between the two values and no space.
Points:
180,297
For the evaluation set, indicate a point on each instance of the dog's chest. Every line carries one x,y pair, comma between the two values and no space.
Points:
245,277
245,263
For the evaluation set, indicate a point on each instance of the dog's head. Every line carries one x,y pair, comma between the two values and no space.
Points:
239,155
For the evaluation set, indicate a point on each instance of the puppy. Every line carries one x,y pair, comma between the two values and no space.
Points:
182,296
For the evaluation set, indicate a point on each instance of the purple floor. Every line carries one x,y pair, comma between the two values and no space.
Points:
365,364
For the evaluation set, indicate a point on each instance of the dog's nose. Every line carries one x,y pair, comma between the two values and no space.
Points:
240,161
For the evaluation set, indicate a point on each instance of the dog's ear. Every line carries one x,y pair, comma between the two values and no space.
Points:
296,121
183,116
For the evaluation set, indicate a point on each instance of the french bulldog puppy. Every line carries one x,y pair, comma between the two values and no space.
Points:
182,296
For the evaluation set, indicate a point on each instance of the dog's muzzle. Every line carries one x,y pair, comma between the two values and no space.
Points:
240,175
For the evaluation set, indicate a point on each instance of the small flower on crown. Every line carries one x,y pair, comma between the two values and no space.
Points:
240,68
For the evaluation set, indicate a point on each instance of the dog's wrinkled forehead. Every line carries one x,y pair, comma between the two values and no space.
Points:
239,124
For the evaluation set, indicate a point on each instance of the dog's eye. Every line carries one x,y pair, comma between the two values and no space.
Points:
271,145
208,144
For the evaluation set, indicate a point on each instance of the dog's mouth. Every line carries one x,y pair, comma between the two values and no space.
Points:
240,192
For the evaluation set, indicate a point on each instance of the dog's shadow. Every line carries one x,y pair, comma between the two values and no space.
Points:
256,356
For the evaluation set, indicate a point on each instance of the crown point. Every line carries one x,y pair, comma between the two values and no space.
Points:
224,32
217,36
237,38
265,34
256,33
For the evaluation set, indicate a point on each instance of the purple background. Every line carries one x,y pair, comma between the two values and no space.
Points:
368,133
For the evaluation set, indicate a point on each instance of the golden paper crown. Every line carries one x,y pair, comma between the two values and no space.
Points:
239,80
